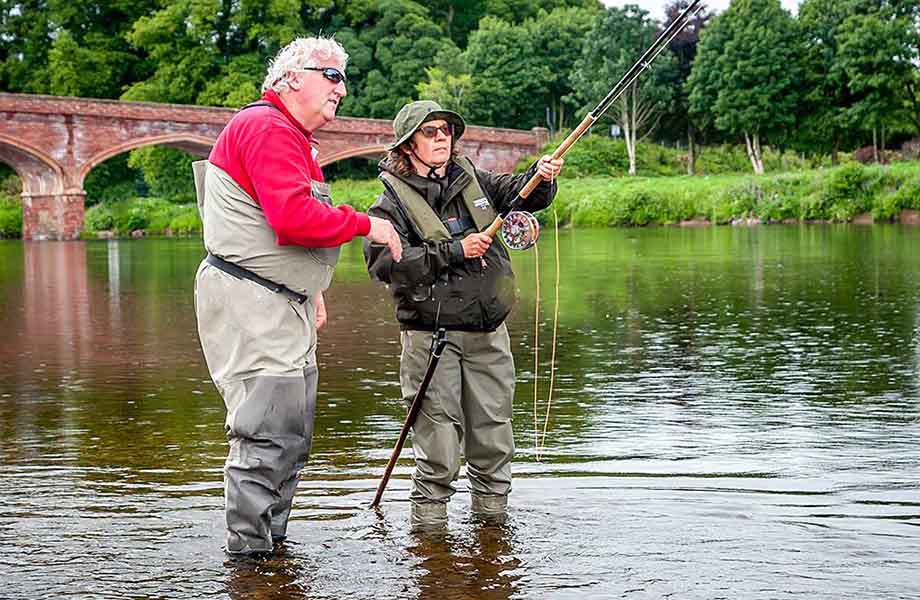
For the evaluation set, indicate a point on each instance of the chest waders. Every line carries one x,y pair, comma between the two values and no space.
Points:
256,322
469,403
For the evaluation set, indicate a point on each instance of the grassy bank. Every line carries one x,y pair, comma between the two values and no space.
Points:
837,195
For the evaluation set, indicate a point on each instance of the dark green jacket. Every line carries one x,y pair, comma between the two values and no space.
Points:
434,283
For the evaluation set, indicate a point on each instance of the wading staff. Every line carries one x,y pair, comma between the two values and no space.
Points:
437,347
631,75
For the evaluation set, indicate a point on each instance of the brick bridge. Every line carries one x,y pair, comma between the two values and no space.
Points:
52,142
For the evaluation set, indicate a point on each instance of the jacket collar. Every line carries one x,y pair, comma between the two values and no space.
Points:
431,190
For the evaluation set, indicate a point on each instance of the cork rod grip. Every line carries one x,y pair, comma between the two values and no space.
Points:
559,153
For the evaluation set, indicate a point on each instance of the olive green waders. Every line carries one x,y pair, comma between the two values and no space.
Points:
468,405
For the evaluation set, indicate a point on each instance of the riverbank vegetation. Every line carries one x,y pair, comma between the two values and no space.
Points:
841,194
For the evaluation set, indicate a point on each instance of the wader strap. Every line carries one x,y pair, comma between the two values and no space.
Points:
255,104
241,273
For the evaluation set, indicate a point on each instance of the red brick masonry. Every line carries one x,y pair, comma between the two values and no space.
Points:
53,142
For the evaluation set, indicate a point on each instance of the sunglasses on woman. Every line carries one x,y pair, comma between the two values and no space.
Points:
330,73
430,131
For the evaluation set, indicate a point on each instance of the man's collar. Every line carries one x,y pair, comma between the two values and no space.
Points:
273,97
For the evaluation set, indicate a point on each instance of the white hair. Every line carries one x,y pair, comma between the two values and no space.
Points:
302,52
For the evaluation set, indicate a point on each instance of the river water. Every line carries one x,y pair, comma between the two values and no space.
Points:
736,414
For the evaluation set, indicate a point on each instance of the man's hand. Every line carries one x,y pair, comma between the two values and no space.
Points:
475,244
320,304
549,168
382,232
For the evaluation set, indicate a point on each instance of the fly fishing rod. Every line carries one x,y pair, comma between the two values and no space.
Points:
519,229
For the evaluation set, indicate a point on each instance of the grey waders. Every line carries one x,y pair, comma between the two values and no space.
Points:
259,342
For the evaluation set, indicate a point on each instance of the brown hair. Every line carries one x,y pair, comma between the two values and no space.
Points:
399,161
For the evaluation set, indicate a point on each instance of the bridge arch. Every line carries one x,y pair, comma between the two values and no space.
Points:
193,144
40,174
366,151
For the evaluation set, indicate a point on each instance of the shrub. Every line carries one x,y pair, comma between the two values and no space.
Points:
845,192
99,218
10,218
135,219
188,222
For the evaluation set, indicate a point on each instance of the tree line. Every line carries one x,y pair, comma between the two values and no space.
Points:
838,76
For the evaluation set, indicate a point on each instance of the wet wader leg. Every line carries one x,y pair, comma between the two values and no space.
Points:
488,392
282,510
268,446
438,431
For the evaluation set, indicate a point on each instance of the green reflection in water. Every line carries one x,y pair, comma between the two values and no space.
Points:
103,360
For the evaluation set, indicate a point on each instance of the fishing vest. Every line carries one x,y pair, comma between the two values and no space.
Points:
426,221
236,229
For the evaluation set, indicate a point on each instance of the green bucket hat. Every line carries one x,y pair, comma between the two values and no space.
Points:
411,116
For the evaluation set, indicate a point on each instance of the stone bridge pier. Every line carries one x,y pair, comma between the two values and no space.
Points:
52,207
53,142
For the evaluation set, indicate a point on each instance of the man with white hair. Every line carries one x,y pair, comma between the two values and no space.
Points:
273,237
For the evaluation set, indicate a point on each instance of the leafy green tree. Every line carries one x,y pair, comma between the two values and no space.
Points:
449,82
677,119
166,172
612,46
747,72
829,97
238,84
508,75
547,46
75,47
25,36
391,43
879,50
460,18
181,41
95,70
558,38
401,62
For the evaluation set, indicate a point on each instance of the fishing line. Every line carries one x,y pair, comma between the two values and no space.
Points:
552,361
536,354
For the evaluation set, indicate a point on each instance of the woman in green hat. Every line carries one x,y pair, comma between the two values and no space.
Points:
451,275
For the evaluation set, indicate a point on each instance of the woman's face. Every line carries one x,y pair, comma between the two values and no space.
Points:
433,141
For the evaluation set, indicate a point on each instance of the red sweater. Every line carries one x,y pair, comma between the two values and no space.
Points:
268,153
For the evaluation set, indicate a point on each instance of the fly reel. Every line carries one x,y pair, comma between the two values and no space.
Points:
520,230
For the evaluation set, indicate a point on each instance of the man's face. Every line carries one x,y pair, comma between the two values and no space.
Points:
319,95
432,141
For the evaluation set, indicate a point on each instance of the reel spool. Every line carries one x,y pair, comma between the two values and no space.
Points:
520,230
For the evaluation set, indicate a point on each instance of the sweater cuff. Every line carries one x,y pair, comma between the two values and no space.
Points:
363,225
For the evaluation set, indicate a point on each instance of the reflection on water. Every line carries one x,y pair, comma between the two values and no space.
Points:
735,415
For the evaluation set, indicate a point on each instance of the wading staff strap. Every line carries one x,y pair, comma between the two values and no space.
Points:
644,62
437,348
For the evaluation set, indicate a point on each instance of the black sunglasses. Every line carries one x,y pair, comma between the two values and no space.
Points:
430,131
330,73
